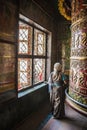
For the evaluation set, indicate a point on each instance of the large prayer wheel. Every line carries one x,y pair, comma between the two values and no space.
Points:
77,93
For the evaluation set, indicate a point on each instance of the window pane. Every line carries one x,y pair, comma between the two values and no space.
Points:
39,42
25,39
24,73
39,70
23,47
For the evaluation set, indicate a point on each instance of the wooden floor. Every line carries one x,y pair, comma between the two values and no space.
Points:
72,121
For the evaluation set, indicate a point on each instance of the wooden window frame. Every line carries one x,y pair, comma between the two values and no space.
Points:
32,56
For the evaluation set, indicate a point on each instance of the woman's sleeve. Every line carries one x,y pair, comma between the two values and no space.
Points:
50,83
65,79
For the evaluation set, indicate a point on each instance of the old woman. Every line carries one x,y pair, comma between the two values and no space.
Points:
57,81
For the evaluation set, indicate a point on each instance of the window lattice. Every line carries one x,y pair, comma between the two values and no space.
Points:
39,67
24,73
39,43
25,39
31,56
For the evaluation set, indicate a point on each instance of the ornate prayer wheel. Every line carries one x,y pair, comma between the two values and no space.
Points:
77,93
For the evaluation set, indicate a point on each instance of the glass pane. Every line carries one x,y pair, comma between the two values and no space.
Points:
39,42
23,32
39,70
23,47
24,73
25,39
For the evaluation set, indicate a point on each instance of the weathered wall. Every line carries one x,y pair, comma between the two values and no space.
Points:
64,43
8,32
16,109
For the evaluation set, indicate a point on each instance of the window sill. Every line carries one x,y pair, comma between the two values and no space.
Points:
21,94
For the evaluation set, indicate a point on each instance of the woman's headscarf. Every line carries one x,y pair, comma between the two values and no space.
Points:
57,72
57,67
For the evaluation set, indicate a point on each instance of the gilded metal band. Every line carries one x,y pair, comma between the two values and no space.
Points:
76,106
78,21
78,58
83,106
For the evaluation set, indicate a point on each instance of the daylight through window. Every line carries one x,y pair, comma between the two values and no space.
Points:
32,55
